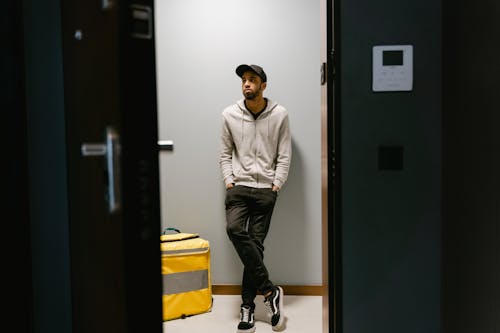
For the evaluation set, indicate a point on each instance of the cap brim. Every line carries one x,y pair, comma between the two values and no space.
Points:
242,69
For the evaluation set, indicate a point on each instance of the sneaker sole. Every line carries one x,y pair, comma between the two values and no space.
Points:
250,330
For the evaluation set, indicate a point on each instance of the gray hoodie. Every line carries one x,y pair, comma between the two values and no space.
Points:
255,152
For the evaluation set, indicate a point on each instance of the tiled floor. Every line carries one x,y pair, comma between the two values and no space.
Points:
303,315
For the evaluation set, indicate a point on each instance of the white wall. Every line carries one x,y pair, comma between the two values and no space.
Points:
199,44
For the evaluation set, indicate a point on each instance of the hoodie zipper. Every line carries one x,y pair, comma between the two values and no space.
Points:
255,161
268,109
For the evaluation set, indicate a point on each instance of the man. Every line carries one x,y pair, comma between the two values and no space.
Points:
254,160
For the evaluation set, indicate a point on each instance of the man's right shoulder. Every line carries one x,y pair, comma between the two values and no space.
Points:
230,108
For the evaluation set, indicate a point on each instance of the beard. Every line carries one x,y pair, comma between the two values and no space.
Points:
250,95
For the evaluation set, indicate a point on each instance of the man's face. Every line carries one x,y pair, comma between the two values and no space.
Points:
252,85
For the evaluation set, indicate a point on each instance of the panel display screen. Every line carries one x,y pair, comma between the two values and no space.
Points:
392,58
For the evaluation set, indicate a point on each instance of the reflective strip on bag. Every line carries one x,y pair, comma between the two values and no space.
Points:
182,282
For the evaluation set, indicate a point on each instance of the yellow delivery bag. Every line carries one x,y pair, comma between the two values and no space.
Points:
185,267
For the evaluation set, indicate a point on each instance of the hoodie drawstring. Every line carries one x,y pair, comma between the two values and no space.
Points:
242,124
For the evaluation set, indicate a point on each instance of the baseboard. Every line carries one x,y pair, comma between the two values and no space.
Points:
231,289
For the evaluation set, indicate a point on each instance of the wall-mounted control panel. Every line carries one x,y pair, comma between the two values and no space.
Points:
392,68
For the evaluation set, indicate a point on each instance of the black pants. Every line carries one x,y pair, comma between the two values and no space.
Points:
248,216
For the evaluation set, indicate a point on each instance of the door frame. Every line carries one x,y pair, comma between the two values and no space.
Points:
331,175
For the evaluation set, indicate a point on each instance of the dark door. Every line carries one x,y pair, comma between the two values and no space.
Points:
110,102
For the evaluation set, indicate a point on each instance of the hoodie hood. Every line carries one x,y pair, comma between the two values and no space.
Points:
269,107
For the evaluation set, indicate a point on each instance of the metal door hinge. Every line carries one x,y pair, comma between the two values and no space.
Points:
324,75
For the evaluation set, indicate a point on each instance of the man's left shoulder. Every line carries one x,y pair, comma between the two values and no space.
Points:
280,109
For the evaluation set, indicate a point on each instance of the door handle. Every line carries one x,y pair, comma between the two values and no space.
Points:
165,145
111,151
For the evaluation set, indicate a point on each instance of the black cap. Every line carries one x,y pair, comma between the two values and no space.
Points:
252,68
